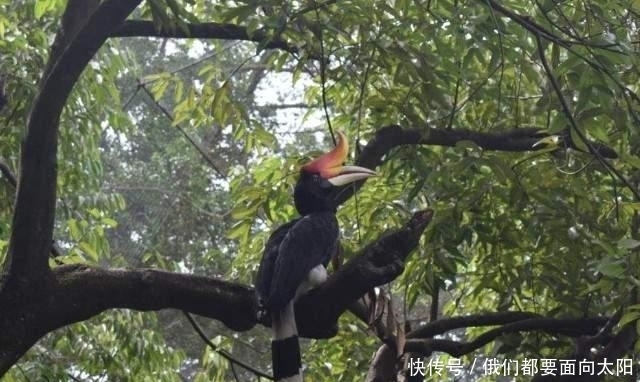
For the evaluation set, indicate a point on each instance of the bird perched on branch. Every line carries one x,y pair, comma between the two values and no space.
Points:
297,253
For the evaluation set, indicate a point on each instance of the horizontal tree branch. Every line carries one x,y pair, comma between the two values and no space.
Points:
217,31
79,292
444,325
514,140
75,293
553,326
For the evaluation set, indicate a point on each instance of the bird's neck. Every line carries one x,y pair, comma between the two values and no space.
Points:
305,209
308,203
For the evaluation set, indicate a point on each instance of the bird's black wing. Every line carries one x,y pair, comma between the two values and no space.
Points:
267,264
309,242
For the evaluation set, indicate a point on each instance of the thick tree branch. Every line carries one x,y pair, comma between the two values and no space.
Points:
33,219
77,292
383,365
377,264
514,140
75,16
142,28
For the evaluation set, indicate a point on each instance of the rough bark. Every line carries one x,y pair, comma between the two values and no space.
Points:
75,293
32,226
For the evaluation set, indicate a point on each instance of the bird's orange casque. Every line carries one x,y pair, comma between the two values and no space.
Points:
329,164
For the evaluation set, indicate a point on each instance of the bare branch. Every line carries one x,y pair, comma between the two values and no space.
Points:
392,136
192,142
553,326
75,293
473,320
8,174
226,355
142,28
3,93
79,292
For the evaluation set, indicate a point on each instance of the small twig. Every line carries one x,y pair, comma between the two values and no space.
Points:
435,303
76,379
574,126
184,133
224,353
125,106
363,91
456,94
323,76
552,326
582,168
233,371
3,93
313,7
8,174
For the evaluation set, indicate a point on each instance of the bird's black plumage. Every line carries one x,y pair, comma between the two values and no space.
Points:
298,252
312,194
268,262
298,246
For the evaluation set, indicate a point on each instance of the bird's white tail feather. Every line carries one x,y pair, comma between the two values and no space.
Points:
284,323
285,348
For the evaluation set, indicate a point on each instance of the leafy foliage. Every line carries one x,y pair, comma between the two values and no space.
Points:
182,155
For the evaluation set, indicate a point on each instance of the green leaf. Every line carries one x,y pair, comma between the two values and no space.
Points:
239,230
628,317
612,268
241,212
74,230
577,140
41,6
628,243
89,250
109,222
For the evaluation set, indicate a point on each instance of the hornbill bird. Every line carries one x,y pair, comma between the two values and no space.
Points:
297,253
